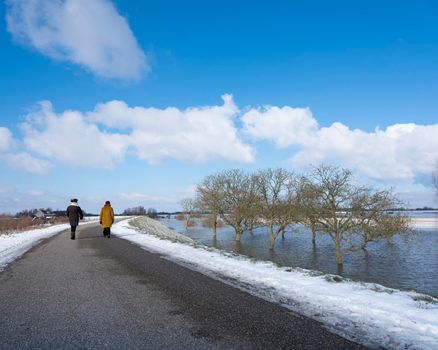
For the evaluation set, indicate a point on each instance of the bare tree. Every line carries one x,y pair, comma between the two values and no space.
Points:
372,211
308,202
238,200
152,213
188,206
346,211
208,198
140,210
277,200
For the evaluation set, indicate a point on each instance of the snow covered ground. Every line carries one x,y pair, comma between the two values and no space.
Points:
424,223
368,313
90,218
16,244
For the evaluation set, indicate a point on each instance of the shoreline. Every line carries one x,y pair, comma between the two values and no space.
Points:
424,223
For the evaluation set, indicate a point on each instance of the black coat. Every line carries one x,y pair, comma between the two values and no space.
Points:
74,213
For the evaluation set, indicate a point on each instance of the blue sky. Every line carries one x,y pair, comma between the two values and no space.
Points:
342,82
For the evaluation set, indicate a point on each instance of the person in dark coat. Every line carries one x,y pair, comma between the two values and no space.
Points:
74,213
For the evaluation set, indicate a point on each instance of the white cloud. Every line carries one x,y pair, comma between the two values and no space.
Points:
104,137
401,151
26,162
69,138
285,126
91,34
196,134
401,155
12,158
6,139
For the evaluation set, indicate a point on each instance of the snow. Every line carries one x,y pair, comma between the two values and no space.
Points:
14,245
424,223
91,218
368,313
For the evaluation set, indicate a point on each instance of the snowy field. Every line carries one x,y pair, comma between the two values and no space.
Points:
16,244
424,223
367,313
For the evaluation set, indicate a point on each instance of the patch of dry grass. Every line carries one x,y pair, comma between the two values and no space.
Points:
12,224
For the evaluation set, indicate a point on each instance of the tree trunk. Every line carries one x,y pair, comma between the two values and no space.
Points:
251,227
313,235
214,227
238,235
283,230
272,241
339,254
271,228
364,244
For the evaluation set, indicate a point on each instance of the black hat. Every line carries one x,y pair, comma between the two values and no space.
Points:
74,200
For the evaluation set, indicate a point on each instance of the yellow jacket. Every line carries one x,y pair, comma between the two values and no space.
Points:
106,216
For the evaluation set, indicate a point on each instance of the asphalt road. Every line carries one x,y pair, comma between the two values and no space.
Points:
95,293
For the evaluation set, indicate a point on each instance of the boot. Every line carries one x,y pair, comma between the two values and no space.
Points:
72,236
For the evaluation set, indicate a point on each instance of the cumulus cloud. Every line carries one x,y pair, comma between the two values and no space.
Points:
69,138
401,151
196,134
103,137
112,131
91,34
26,162
19,160
285,126
6,139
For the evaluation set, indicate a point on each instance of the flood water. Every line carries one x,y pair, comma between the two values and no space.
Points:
408,263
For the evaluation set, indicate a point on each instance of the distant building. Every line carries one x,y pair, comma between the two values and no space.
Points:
40,214
43,215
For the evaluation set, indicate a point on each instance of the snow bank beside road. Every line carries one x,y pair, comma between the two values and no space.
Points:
368,313
157,229
16,244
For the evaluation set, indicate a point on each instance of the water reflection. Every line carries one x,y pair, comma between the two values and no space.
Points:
407,263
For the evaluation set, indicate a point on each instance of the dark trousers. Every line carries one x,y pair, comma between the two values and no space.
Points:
73,231
106,231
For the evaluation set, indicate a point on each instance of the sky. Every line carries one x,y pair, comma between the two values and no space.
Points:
136,102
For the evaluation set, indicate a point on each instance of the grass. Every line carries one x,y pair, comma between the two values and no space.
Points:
379,289
334,278
426,299
10,224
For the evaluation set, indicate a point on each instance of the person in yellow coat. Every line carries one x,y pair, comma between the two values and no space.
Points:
106,218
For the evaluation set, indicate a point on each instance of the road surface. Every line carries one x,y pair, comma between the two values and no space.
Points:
98,293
